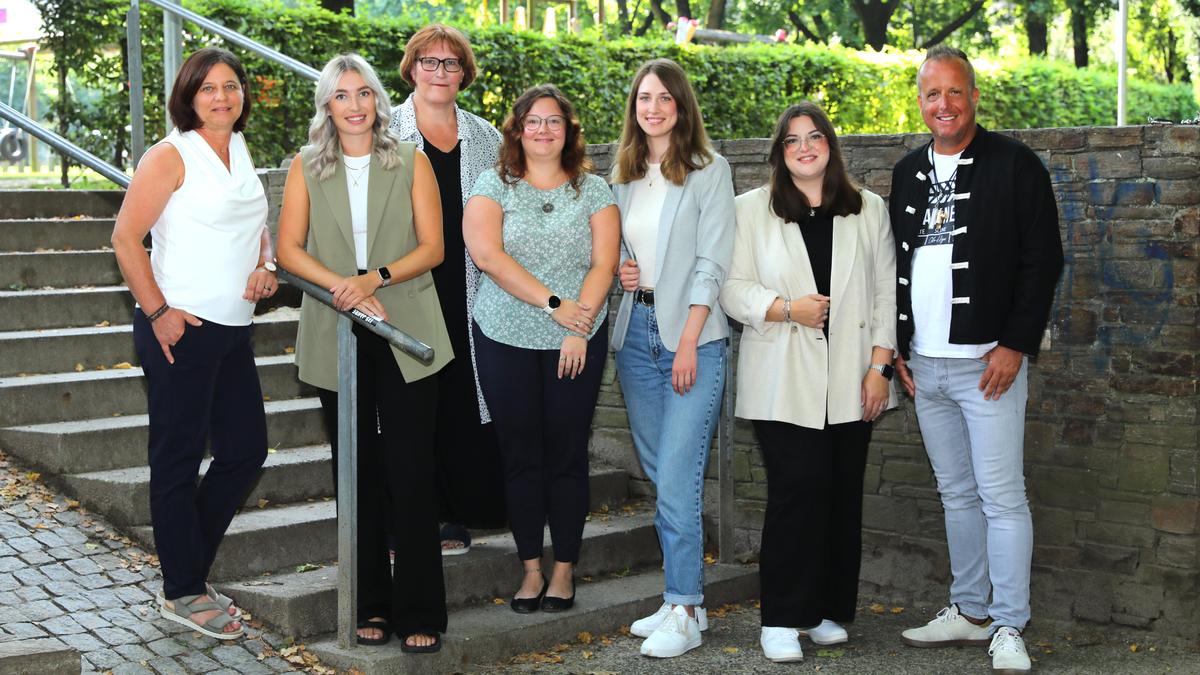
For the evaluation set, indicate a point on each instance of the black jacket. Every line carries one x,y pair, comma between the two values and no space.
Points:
1010,243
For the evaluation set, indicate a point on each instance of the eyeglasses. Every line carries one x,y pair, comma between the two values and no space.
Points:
813,140
533,123
430,63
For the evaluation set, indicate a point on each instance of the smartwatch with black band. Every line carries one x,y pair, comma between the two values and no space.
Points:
385,275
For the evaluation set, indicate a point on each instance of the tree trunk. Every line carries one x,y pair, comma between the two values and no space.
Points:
875,17
954,25
716,15
1035,30
337,6
623,19
684,8
1079,34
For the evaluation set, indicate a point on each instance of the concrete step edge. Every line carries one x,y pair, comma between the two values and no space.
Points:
491,634
115,373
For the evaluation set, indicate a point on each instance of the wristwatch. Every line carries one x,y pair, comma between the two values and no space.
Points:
885,370
269,266
385,275
552,304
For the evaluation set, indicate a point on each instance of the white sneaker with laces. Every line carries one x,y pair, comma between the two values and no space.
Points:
781,644
645,626
1008,652
677,634
948,628
826,633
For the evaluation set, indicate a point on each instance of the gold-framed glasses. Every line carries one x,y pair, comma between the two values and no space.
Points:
555,123
813,139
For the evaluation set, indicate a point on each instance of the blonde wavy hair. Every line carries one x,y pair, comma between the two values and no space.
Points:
323,134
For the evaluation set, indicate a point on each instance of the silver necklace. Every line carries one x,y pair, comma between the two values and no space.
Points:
356,172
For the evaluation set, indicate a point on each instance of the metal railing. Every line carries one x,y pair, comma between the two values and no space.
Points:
62,145
173,14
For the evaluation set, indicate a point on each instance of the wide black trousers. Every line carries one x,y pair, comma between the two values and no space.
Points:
812,531
543,424
395,491
211,393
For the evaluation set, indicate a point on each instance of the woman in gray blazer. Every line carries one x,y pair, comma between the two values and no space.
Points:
676,201
813,280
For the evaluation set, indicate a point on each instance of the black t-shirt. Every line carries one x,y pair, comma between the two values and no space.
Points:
450,277
818,239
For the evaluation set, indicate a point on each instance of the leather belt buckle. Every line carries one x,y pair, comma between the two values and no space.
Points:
644,296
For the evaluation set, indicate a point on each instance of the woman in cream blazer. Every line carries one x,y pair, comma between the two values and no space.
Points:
813,280
362,217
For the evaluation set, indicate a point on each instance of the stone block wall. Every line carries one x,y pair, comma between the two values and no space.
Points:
1112,435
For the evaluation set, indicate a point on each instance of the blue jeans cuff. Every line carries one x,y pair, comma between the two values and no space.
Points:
676,599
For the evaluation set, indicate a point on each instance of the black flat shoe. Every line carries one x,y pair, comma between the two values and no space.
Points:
529,605
553,604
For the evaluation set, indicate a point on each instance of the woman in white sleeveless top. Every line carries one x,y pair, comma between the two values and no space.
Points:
196,194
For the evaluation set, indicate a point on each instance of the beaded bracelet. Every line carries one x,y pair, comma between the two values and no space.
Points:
158,313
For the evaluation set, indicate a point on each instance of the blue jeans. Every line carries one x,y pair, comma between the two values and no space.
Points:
976,448
672,434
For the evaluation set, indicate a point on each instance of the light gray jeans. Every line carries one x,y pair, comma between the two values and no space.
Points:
976,448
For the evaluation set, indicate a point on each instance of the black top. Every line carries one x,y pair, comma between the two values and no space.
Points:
450,278
1007,244
818,239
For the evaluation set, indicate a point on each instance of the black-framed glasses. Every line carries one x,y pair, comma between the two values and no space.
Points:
814,139
555,123
431,63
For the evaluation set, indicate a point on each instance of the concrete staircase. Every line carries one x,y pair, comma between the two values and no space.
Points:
72,405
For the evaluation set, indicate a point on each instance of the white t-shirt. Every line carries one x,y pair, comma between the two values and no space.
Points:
639,223
932,284
208,238
358,170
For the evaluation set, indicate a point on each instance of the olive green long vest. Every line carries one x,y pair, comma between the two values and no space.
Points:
412,305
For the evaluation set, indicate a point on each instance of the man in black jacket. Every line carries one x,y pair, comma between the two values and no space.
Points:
978,256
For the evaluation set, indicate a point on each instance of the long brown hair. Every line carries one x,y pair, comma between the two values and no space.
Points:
574,158
839,192
690,148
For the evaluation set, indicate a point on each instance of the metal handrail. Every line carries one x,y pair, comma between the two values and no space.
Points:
403,341
64,146
238,39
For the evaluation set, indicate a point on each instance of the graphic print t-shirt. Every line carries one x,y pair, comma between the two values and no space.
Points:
932,284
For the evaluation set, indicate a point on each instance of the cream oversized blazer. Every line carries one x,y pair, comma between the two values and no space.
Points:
789,372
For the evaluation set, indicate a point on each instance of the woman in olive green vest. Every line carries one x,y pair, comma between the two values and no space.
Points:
362,217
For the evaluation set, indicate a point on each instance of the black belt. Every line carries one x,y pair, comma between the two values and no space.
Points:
644,296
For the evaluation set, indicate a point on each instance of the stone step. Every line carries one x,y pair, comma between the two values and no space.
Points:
305,603
60,234
38,309
38,655
123,495
62,397
39,269
489,633
109,443
59,350
29,204
274,539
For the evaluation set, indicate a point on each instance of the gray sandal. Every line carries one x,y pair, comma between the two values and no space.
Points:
223,600
181,611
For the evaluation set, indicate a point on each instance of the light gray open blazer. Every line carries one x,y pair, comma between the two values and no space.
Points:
694,252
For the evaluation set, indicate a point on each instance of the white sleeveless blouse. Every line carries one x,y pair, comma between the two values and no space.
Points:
208,238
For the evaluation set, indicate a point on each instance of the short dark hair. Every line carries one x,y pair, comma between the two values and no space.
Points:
189,79
839,193
941,53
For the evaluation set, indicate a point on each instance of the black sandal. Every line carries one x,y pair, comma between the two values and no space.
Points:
422,649
377,624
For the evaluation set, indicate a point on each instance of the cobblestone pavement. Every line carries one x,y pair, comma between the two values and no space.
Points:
66,574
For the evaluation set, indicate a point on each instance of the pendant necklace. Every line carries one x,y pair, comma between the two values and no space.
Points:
356,172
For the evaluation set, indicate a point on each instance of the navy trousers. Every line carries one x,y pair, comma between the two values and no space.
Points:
210,394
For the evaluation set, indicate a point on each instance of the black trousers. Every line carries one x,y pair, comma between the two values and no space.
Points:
211,392
395,491
543,424
812,531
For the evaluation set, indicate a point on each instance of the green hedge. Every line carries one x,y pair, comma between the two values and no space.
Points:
741,88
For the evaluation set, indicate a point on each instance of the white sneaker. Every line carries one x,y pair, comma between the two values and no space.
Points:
826,633
946,629
677,634
645,626
1008,652
781,645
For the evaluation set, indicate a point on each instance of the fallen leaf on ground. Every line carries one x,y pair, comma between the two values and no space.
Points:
877,608
124,365
730,650
262,503
584,637
1133,648
307,567
897,610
